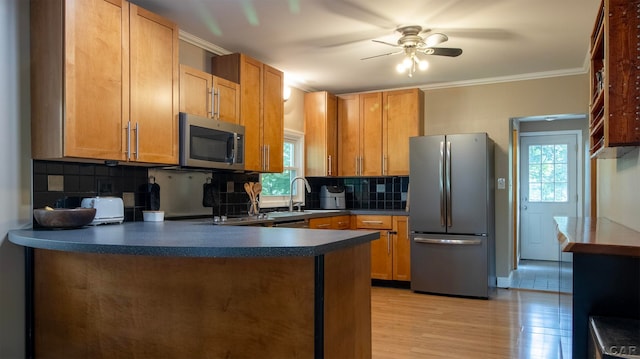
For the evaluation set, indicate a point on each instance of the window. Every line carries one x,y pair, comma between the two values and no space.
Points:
275,186
548,173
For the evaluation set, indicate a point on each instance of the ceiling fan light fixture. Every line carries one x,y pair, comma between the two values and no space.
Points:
423,65
407,62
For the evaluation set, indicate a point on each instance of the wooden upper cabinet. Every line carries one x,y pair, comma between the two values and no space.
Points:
153,87
261,108
273,119
360,134
226,100
348,135
97,71
78,99
374,130
371,134
320,134
402,118
205,95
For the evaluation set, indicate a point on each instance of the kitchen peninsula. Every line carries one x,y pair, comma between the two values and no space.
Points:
606,272
194,290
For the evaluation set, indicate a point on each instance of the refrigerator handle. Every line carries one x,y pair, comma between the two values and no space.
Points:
447,241
441,168
448,184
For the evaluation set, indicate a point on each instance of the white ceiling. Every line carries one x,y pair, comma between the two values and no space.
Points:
319,43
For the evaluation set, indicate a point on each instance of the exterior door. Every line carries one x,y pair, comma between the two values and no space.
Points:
548,188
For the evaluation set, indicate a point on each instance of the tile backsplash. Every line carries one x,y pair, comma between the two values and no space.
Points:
64,184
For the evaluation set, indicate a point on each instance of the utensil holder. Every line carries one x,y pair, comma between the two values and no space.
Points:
253,208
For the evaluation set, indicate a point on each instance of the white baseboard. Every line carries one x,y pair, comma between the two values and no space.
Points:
505,282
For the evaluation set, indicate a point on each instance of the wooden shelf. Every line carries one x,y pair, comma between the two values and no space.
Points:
615,59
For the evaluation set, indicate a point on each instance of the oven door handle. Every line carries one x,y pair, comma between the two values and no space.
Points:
447,241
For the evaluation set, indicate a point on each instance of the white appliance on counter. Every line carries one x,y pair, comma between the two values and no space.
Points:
332,197
108,209
451,219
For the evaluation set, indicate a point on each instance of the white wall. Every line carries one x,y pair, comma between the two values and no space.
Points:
15,176
618,193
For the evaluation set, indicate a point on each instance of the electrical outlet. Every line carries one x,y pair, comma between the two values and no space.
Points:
230,186
55,183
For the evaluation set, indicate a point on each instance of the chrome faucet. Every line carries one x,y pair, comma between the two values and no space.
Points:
306,183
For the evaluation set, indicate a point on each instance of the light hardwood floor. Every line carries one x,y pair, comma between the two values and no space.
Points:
516,324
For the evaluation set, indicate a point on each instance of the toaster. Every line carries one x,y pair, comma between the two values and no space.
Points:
108,209
332,197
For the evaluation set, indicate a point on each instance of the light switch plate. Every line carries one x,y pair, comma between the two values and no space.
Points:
502,183
55,183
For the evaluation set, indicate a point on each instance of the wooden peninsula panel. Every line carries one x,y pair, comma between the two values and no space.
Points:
596,236
90,305
606,272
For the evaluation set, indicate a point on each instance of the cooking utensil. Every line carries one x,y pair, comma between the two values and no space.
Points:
208,194
64,217
154,194
257,189
248,187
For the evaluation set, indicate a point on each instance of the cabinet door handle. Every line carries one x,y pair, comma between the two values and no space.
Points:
372,222
323,225
128,151
215,103
268,157
210,92
329,171
388,242
137,129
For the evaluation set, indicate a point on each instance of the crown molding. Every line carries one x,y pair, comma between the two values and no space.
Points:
502,79
201,43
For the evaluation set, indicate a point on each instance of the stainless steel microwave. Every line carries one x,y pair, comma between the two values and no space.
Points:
209,143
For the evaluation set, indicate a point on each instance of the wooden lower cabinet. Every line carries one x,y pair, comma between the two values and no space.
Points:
335,222
401,248
390,254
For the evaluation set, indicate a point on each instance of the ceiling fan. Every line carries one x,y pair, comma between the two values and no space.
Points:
411,43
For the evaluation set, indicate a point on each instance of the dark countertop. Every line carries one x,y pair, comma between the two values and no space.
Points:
191,239
596,236
273,218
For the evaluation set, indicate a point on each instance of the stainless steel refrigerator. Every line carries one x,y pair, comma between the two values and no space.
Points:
451,214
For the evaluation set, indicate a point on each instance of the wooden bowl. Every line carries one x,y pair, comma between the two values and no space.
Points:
64,217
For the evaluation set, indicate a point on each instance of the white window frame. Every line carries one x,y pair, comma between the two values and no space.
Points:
283,201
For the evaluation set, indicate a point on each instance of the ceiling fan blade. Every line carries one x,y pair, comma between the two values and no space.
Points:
387,43
442,51
387,54
435,39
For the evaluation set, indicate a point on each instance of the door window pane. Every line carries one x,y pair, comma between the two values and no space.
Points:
548,173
